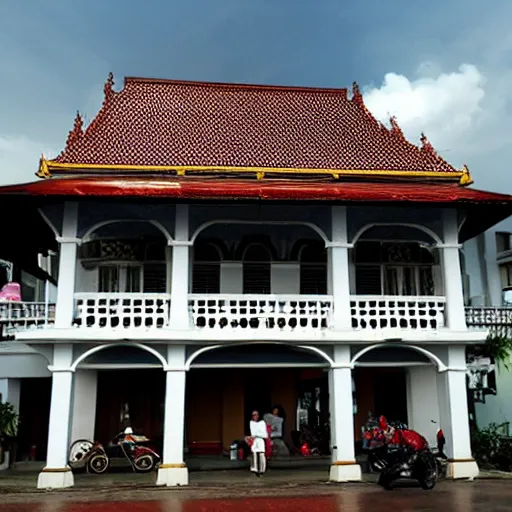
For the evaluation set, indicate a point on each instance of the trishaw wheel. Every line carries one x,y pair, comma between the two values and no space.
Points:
98,464
78,452
144,463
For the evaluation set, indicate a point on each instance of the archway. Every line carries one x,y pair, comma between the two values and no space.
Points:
116,386
225,383
398,381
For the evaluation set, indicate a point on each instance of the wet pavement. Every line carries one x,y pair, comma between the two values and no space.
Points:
482,495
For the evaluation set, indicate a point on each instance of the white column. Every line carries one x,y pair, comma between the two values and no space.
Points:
455,313
65,306
57,474
344,467
173,471
453,409
339,269
180,271
10,390
84,405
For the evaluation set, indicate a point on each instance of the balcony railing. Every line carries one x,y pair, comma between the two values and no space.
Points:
246,312
310,313
122,310
397,312
497,320
15,316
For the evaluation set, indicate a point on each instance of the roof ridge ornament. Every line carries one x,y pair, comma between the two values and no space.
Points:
108,88
427,147
76,133
357,97
43,171
395,128
466,178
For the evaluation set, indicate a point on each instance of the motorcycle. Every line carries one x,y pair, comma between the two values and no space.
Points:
397,452
125,447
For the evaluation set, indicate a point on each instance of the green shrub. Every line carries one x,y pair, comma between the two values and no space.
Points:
491,449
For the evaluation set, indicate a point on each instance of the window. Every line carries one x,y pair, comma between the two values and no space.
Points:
503,242
389,268
256,270
119,279
206,269
313,269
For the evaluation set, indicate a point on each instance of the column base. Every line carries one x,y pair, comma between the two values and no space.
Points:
172,475
462,469
59,478
345,472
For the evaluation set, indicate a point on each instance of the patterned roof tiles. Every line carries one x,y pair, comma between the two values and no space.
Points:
173,123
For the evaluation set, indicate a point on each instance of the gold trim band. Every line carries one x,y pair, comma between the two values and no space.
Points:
452,461
172,466
46,166
56,470
344,463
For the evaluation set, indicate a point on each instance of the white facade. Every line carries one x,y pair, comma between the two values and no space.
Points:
402,291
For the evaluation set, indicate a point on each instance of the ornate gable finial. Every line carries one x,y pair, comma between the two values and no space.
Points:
426,146
76,132
357,97
108,88
395,128
466,178
43,171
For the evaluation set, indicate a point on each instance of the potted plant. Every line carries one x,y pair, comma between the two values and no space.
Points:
9,422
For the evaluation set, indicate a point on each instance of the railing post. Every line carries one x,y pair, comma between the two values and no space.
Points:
179,318
67,267
455,313
339,269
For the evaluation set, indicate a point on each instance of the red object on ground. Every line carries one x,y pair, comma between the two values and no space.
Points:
304,450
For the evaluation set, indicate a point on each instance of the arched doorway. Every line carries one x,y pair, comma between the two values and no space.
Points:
225,384
117,386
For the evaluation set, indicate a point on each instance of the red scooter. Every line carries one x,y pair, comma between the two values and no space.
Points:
124,448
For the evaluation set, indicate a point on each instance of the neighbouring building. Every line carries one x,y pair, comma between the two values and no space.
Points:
229,247
488,269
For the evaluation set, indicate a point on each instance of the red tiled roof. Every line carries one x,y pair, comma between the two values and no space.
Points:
482,209
174,123
197,188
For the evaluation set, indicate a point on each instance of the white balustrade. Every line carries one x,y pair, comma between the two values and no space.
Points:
280,312
397,312
122,310
18,316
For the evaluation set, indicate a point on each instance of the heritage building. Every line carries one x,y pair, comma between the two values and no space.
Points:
229,247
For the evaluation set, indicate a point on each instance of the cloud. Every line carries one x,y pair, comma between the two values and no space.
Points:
19,157
446,106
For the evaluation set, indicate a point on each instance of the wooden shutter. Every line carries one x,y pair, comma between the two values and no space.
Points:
154,278
206,278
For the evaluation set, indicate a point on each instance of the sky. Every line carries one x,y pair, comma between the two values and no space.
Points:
443,68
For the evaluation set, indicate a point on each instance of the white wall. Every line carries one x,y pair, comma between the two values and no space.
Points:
422,401
84,405
10,390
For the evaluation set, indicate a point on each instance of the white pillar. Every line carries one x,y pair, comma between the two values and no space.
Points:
180,271
57,474
455,313
453,409
339,269
65,306
84,405
10,390
173,471
344,467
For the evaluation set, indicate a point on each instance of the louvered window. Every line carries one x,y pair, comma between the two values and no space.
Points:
206,269
109,279
154,278
256,270
313,269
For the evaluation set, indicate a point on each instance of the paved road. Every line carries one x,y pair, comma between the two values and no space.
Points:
483,495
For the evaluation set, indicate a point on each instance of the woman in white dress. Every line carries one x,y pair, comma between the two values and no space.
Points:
258,435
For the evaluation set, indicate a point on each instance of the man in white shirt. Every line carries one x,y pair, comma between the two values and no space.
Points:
258,435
